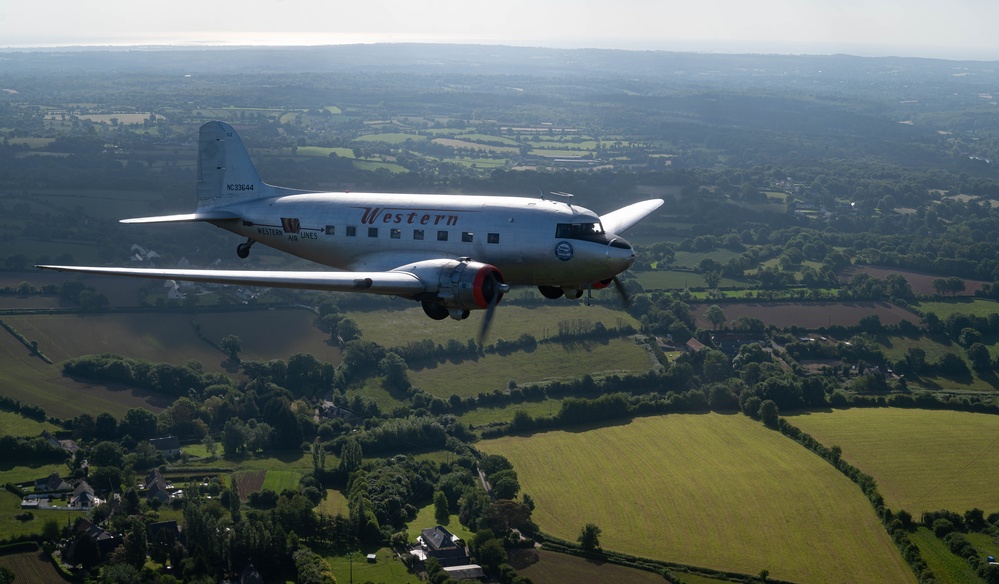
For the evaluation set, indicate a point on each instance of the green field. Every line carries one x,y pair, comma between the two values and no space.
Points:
923,460
12,424
11,527
548,361
334,503
387,567
279,480
157,338
383,327
945,565
501,410
705,490
961,305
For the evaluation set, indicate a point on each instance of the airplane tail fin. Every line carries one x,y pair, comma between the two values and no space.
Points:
225,172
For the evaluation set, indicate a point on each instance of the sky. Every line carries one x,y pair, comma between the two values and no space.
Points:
957,29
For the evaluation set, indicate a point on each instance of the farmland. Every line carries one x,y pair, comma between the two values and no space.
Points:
544,567
811,314
694,487
31,567
922,460
548,361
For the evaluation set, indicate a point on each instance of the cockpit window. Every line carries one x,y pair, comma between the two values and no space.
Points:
587,231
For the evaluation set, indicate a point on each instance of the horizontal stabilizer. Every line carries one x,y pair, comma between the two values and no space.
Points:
617,222
185,218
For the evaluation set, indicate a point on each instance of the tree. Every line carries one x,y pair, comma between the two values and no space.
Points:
980,358
231,344
715,315
589,537
441,512
351,456
768,413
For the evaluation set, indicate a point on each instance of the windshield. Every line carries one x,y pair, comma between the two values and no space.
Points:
587,231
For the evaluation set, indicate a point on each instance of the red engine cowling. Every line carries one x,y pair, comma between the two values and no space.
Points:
461,284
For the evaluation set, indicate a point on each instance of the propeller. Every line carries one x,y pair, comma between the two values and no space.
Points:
625,299
493,290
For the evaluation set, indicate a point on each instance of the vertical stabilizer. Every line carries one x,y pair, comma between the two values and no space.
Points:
225,173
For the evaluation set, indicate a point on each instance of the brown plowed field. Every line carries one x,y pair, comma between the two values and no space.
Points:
921,284
249,481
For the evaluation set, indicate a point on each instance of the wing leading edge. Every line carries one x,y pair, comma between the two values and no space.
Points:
387,283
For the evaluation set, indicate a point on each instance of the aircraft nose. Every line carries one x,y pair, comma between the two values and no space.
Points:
620,253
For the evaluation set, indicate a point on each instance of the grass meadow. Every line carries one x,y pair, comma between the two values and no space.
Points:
923,460
383,327
945,565
708,490
279,480
548,361
12,424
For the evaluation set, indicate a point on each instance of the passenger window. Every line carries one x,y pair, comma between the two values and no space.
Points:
442,236
351,231
493,238
330,229
372,232
466,236
417,234
395,233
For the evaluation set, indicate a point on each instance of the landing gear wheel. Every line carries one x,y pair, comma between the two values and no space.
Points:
551,292
243,249
435,311
578,294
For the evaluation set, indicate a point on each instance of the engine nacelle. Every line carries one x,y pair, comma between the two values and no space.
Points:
461,284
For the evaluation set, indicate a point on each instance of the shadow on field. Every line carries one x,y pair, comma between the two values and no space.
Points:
153,398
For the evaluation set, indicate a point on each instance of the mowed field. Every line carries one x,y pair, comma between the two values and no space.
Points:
923,460
810,315
708,490
398,327
548,361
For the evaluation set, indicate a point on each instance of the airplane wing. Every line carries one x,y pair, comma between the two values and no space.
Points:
617,222
399,283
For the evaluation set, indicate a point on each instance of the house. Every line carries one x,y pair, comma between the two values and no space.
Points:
168,445
67,445
439,543
159,489
52,483
467,572
695,345
250,575
83,496
167,531
106,542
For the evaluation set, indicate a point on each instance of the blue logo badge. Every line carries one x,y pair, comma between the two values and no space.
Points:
563,251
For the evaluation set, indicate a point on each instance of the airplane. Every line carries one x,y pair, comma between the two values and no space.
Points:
451,253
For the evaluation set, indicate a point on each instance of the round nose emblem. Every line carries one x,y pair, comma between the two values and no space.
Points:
563,251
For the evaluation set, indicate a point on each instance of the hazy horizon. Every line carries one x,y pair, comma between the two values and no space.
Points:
960,30
189,40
